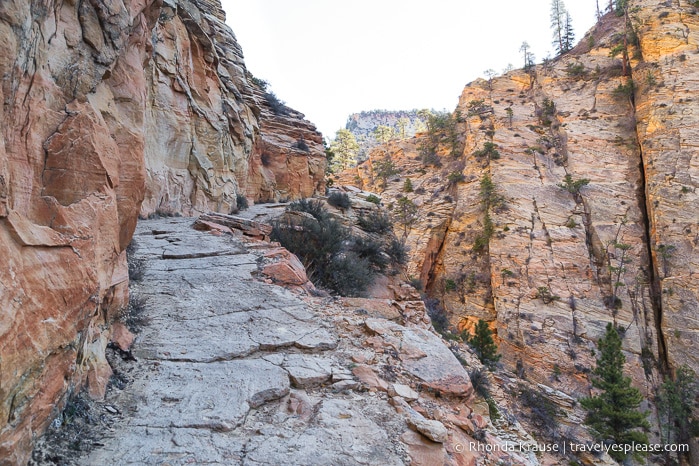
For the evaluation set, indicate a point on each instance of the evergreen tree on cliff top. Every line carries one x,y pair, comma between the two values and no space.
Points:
345,149
562,27
613,415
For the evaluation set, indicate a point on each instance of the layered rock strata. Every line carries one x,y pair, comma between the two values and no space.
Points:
107,104
502,234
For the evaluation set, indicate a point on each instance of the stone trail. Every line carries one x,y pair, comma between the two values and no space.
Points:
233,370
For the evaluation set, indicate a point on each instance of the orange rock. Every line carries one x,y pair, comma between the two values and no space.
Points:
423,452
121,336
367,376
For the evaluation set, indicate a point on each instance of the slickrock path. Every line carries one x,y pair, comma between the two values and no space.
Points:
233,370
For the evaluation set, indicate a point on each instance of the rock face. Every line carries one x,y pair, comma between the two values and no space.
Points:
107,104
501,235
210,131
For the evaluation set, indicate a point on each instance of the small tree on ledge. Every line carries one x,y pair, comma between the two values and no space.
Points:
483,344
613,415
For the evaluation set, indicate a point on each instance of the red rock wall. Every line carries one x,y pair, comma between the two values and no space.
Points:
108,104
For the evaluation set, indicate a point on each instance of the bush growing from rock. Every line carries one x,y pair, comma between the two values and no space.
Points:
373,199
241,201
375,222
137,265
339,200
333,257
278,107
480,381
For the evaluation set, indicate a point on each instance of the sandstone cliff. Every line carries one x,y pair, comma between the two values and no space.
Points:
501,235
108,104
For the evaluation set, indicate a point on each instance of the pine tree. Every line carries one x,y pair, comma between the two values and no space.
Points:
405,213
383,134
569,34
528,56
676,403
558,15
613,415
483,344
345,150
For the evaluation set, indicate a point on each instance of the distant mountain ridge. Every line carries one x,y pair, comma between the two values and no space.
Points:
405,123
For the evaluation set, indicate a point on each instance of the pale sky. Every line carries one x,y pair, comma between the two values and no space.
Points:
330,58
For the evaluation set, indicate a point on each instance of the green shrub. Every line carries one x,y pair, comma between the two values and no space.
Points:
489,195
573,186
339,200
385,168
542,411
348,274
375,222
310,206
483,344
408,186
480,244
261,83
137,265
300,144
449,285
493,410
430,158
135,317
241,201
624,90
455,177
489,150
373,199
372,251
576,69
545,294
480,381
334,258
318,243
397,252
546,112
277,106
416,283
437,314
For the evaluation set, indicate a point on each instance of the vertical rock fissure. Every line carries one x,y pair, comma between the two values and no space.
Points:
653,279
431,273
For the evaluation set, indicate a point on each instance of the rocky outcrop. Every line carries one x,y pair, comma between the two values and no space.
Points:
275,377
108,104
211,133
502,234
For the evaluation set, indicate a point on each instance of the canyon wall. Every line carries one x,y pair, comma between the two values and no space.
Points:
502,235
113,109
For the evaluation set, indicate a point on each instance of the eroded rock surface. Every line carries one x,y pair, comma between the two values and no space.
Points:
231,368
111,109
550,264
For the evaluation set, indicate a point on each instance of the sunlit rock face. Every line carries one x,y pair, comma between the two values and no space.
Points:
111,109
616,243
